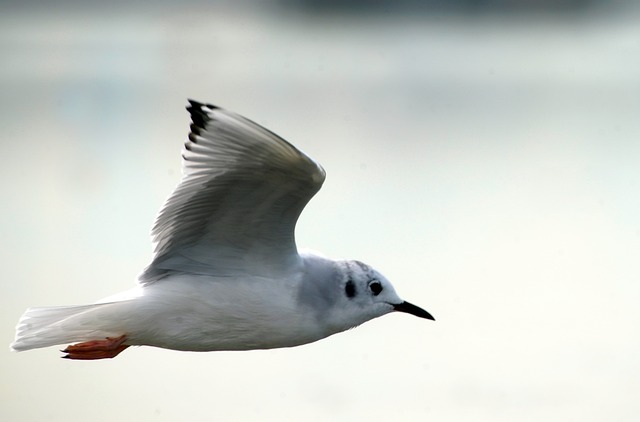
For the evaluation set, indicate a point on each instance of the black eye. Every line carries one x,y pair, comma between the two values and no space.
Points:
350,289
375,287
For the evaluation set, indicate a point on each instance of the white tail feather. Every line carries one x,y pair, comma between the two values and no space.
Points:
43,327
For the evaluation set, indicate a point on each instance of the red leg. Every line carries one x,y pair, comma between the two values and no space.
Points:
108,348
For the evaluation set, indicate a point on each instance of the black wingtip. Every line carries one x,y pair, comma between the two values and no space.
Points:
198,104
199,115
200,112
196,130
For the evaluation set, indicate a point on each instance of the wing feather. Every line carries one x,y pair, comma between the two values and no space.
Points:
235,210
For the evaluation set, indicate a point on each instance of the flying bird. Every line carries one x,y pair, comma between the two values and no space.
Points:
226,273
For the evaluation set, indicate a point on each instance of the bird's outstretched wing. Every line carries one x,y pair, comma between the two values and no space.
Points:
242,191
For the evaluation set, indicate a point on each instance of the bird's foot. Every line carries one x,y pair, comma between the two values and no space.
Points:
108,348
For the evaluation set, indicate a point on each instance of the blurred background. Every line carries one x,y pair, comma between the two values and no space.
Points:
484,155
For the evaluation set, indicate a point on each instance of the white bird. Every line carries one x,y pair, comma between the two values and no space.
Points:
226,274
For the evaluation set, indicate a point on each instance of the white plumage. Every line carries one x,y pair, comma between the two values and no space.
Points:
226,273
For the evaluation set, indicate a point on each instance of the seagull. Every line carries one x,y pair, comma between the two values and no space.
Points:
226,273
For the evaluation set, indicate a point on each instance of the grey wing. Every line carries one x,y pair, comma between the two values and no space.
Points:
235,210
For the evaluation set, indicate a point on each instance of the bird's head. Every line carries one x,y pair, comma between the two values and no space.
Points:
366,294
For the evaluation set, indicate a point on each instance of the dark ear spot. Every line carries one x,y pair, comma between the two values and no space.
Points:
375,287
350,289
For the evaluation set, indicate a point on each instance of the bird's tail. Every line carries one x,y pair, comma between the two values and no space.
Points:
42,327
